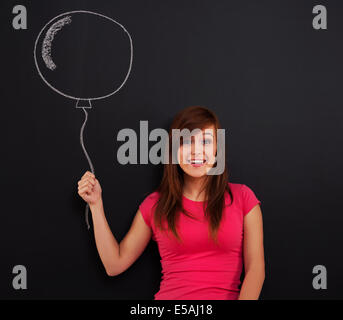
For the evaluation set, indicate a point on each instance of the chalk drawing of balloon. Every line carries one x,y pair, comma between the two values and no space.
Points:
84,56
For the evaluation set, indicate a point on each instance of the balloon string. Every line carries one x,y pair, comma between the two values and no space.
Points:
88,159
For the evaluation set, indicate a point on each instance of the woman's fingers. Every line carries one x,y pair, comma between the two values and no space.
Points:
88,174
88,177
86,184
86,181
86,189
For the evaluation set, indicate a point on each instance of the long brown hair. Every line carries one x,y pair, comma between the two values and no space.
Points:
169,204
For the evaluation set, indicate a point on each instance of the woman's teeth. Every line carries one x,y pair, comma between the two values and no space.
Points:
197,162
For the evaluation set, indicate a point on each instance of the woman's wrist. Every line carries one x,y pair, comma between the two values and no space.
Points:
98,205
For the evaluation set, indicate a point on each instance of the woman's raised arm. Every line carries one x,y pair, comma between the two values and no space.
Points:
115,257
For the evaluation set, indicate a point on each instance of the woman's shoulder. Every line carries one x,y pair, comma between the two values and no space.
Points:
153,196
234,192
150,199
238,187
235,186
147,205
247,198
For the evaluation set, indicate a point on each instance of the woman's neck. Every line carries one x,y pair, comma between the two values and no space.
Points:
192,188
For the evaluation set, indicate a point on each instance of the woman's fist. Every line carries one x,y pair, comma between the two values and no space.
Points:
89,188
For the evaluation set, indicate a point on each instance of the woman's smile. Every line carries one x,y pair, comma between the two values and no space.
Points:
196,162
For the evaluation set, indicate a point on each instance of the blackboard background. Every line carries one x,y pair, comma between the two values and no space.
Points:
275,84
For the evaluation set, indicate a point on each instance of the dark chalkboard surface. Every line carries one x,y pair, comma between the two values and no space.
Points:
273,80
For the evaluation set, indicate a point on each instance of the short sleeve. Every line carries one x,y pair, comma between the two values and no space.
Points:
249,199
146,208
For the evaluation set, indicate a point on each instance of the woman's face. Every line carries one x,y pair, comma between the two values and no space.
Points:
196,154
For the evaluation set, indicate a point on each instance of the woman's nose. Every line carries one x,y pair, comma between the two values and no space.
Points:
197,149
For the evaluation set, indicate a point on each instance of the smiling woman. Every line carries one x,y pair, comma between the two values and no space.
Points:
198,151
204,225
199,220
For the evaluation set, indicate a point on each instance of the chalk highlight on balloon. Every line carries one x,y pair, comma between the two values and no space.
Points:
49,37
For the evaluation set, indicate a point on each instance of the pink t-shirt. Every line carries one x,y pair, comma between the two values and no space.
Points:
196,269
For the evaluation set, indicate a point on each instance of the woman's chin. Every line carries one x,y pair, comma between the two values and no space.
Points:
196,172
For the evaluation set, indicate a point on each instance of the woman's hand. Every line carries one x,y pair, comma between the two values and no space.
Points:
89,188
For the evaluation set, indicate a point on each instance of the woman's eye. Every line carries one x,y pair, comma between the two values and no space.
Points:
205,141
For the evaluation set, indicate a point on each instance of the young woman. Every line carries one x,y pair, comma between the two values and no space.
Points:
206,228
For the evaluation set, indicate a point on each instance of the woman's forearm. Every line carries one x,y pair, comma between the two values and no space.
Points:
106,243
252,284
